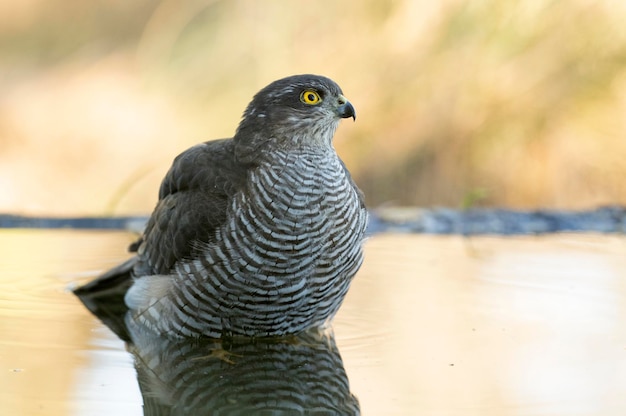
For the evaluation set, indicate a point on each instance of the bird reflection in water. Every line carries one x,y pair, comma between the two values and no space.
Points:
299,374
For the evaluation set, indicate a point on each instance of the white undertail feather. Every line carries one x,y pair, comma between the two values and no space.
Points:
146,291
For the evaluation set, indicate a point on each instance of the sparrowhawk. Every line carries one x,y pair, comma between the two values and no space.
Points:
256,235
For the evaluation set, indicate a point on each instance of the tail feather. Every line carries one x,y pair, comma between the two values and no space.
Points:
104,296
118,278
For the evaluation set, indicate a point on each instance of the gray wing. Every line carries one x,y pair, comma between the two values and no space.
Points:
193,200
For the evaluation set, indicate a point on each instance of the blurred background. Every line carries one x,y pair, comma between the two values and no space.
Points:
517,104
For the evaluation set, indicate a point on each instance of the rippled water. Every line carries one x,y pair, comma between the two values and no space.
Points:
431,326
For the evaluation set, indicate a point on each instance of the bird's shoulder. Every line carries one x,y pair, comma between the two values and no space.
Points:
193,199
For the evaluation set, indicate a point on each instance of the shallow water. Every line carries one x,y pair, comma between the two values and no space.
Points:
431,326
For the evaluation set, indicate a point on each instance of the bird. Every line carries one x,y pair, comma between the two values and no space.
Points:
258,235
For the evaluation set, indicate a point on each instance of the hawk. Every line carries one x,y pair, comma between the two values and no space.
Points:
258,235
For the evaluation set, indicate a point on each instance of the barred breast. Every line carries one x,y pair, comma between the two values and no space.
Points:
281,263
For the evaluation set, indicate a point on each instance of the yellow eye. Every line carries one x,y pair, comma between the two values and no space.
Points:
310,97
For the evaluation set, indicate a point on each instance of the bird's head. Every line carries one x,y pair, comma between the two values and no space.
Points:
294,112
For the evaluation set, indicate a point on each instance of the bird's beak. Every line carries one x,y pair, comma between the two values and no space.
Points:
344,108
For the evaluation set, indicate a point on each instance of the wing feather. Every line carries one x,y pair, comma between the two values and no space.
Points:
193,200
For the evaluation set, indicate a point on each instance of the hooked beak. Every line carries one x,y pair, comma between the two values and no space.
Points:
344,108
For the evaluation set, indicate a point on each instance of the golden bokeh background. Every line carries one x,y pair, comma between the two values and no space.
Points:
517,104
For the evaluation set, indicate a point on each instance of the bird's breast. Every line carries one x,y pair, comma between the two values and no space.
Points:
295,208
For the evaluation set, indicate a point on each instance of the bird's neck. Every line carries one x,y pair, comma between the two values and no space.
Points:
262,149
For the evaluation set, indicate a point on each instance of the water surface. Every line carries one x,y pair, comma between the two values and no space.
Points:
431,326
